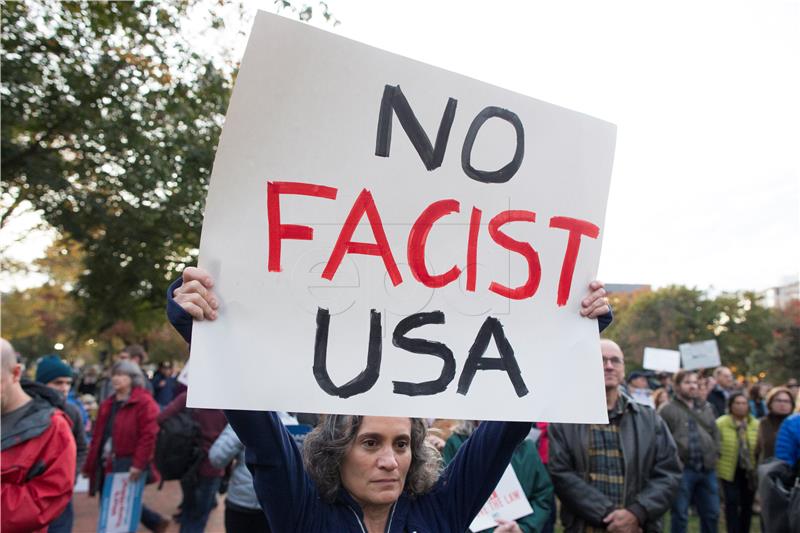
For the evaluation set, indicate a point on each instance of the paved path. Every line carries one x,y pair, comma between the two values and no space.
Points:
164,501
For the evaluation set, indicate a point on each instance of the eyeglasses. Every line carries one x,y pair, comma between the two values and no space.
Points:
616,361
780,400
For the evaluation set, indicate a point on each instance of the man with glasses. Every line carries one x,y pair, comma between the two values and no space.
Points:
620,476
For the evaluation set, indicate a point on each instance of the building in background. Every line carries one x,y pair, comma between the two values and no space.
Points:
781,296
626,288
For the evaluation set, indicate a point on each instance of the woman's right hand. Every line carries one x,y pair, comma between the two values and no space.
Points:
196,295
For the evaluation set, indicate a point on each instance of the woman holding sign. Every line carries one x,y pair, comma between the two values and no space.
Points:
363,473
124,437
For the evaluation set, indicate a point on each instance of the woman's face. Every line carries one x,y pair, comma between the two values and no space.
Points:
121,382
739,407
375,466
781,404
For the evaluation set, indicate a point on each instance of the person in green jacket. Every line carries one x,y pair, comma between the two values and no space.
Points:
530,471
737,462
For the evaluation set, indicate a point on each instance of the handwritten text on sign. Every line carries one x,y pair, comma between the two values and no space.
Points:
121,504
508,501
359,268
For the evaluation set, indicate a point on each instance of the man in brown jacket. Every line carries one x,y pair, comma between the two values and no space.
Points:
692,424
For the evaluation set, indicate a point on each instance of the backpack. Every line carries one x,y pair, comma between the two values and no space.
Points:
178,452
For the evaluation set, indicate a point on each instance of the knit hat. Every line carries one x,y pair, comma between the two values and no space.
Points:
51,367
777,390
131,369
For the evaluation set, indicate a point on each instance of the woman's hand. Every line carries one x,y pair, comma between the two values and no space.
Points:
135,474
507,526
196,295
596,303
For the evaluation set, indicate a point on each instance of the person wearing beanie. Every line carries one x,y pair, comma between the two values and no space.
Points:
57,374
54,373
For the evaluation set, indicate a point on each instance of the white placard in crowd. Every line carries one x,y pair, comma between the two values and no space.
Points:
81,484
183,375
703,354
508,501
121,504
391,238
661,360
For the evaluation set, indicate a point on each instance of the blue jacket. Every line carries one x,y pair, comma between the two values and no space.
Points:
787,443
290,498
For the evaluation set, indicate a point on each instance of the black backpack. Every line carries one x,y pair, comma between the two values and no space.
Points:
178,452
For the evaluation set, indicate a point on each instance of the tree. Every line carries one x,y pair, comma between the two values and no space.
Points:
751,337
110,123
782,360
38,318
744,331
661,319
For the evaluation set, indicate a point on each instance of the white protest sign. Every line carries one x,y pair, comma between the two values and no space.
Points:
390,238
183,376
704,354
81,484
121,504
661,360
508,501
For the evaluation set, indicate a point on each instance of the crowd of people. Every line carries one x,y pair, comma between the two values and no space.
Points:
693,439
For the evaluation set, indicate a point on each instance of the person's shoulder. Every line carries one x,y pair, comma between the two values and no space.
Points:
792,422
72,412
455,440
723,420
142,399
669,408
61,423
646,412
527,448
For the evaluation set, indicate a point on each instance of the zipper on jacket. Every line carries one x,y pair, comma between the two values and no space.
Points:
360,524
391,516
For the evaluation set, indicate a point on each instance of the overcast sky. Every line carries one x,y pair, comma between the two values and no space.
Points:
706,183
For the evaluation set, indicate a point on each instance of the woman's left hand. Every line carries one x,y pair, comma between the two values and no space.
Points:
596,303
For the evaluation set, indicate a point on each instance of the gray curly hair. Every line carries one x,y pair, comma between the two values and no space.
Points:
130,369
325,447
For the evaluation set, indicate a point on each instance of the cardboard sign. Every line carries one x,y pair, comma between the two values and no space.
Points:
661,360
508,501
121,506
390,238
704,354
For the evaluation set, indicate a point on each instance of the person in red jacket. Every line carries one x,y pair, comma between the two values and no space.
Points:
37,454
124,437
